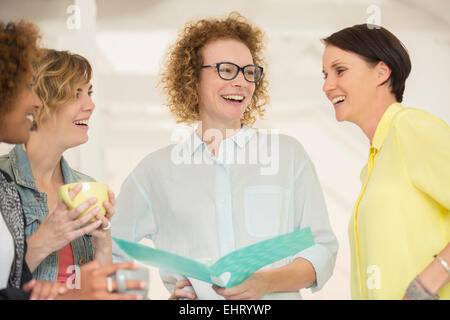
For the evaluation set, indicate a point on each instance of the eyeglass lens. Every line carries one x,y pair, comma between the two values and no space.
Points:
228,71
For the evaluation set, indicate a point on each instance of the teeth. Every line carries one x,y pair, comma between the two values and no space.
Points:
30,117
85,122
234,97
338,99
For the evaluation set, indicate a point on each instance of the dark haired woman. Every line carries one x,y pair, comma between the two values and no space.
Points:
400,229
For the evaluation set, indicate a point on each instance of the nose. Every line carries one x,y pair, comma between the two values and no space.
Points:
37,102
329,84
89,104
239,81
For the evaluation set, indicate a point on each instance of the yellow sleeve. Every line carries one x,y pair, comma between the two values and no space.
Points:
425,143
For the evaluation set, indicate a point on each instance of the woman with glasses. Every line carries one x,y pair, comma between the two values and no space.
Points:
226,185
399,232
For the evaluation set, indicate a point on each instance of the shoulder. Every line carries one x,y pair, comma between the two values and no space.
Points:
274,136
419,132
156,159
286,145
417,119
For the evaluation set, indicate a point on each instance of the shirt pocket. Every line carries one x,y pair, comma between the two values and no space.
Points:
263,207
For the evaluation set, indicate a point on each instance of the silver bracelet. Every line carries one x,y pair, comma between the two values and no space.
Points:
414,292
443,263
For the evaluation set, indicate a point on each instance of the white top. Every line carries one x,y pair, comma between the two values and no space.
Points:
191,203
6,253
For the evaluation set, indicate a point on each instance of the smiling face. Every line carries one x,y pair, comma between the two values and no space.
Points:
70,122
223,102
350,83
16,124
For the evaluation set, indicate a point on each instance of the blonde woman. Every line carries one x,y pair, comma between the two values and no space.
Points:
56,243
203,204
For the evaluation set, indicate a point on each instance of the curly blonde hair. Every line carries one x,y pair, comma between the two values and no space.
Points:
182,67
58,75
19,49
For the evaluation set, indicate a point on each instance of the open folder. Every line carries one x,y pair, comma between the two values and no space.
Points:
229,270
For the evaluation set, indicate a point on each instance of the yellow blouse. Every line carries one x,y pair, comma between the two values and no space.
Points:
401,218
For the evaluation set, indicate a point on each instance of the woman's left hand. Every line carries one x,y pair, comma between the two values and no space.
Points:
104,231
101,237
253,288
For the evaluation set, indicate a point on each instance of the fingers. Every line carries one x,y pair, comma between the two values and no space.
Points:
90,215
109,209
179,293
123,296
94,264
105,221
29,285
130,285
112,268
87,229
73,214
75,190
233,293
112,197
46,290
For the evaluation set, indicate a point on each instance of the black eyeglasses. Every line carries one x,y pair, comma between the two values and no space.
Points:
229,71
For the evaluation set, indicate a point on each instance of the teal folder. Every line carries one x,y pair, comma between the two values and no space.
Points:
229,270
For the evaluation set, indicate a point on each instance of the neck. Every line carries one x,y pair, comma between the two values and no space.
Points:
214,132
45,157
375,112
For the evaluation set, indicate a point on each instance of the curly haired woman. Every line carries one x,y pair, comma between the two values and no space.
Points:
213,193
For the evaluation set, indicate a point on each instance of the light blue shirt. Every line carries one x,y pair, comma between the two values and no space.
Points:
197,205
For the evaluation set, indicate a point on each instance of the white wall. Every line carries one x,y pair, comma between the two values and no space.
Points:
131,39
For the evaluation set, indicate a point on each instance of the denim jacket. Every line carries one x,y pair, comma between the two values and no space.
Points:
34,202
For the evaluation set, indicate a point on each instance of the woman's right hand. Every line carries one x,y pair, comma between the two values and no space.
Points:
59,228
179,293
94,283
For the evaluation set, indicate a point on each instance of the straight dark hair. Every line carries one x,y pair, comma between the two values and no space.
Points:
374,44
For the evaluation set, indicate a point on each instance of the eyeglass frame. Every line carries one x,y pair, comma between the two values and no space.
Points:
218,64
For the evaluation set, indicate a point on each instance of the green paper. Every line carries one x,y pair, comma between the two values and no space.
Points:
231,269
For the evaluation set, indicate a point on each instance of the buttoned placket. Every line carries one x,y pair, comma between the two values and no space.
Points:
370,165
223,199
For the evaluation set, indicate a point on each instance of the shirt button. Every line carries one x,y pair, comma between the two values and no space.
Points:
81,261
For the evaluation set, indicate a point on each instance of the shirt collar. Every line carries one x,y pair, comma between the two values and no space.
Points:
22,169
241,138
384,125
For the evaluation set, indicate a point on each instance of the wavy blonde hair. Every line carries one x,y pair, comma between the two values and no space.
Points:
182,66
58,76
